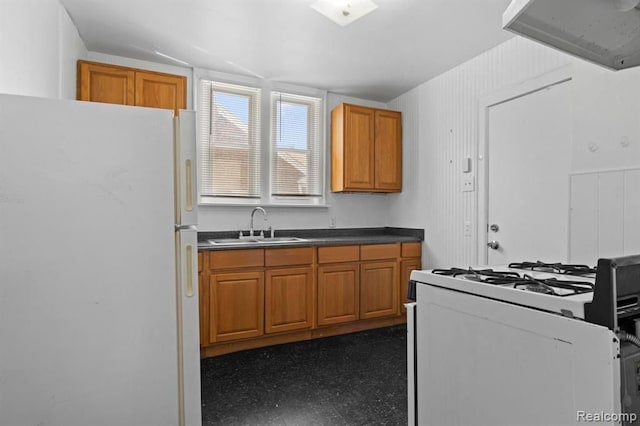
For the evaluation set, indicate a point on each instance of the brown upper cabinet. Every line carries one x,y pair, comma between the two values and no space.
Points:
130,86
366,149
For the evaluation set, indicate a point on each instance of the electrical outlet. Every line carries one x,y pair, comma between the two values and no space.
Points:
332,222
467,228
468,184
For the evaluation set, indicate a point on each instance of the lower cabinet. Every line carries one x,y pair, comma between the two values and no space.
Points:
236,305
378,289
338,293
258,297
288,299
406,266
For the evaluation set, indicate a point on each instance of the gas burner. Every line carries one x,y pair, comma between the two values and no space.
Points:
475,274
553,286
555,268
525,282
539,289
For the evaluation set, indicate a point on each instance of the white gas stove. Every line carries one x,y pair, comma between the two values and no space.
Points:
527,343
559,288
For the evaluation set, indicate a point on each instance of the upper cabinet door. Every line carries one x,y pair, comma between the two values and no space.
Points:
104,83
157,90
388,150
366,149
131,86
359,154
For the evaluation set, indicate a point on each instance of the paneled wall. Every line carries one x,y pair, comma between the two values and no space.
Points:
605,215
440,131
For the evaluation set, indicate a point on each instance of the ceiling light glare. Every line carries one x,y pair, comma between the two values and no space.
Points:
344,12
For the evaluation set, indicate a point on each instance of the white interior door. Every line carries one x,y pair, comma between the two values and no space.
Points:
529,155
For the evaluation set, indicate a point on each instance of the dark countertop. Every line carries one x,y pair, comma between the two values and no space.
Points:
318,237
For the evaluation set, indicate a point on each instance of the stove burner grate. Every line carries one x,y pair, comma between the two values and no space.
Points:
550,285
470,272
556,268
525,282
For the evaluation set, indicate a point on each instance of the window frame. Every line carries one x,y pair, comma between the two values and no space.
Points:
254,100
315,145
265,134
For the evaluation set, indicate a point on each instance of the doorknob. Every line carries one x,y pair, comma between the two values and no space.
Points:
493,245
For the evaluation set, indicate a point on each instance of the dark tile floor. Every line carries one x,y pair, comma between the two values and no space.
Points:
353,379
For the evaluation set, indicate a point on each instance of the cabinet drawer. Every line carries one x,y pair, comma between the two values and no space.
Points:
288,256
338,254
379,251
411,249
236,258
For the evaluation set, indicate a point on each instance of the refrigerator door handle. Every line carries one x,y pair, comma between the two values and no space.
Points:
189,261
189,189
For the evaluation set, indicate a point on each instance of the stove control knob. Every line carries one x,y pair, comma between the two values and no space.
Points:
493,245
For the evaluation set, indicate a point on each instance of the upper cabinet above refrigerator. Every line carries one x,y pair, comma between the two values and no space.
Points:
115,84
605,32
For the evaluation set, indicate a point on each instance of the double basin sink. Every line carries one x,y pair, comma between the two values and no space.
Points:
254,240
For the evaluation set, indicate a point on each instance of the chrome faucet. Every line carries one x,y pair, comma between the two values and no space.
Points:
264,214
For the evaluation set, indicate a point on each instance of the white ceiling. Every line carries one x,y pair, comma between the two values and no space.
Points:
380,56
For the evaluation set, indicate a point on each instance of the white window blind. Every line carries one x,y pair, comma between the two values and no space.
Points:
230,140
296,145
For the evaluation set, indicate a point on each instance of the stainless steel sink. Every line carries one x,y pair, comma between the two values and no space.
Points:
232,241
255,240
282,240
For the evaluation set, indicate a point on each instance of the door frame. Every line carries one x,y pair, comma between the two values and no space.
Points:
497,97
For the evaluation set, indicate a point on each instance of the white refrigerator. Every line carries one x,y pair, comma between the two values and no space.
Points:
98,265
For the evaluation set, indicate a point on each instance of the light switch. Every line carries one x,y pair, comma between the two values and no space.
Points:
466,165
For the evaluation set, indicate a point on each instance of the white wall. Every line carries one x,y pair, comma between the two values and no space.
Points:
39,46
606,123
71,48
348,210
441,128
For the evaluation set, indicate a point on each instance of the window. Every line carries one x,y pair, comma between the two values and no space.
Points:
295,145
230,140
245,160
